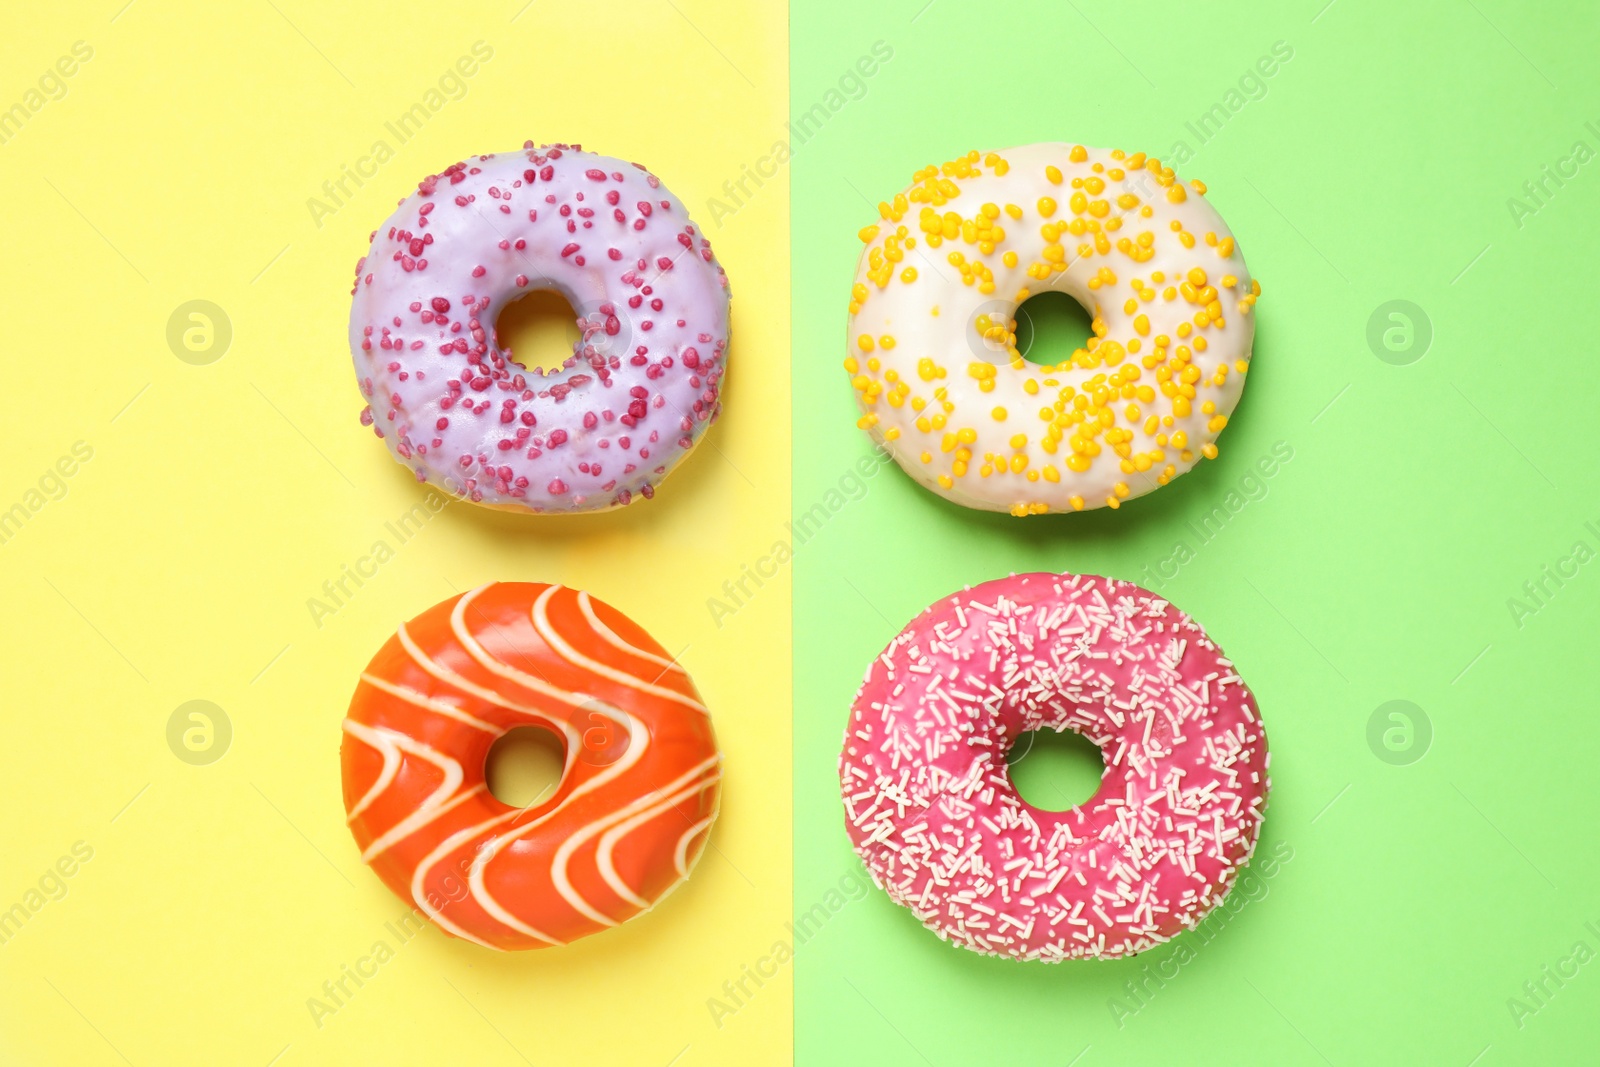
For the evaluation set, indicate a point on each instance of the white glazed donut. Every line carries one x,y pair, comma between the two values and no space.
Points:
643,382
932,339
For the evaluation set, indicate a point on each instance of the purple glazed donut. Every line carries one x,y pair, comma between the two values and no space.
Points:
642,384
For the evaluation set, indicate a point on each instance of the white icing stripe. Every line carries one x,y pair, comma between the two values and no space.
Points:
504,670
608,841
680,855
391,764
447,846
422,700
638,742
471,688
558,870
611,638
417,820
432,806
541,622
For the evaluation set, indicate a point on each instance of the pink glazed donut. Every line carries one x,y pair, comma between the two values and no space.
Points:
643,382
929,802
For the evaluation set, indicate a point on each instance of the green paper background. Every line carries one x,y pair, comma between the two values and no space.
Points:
1376,166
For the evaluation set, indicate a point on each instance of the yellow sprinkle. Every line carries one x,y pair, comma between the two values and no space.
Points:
1176,195
867,233
909,274
999,414
1047,206
886,341
1053,175
1077,155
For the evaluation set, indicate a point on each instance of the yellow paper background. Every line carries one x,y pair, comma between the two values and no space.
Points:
179,561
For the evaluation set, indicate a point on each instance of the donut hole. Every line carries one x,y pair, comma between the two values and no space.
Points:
1055,770
1051,326
537,331
524,765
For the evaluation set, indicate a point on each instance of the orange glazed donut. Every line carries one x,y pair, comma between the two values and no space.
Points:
638,790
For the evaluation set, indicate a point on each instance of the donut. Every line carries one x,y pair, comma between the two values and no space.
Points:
931,809
932,340
644,379
637,795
